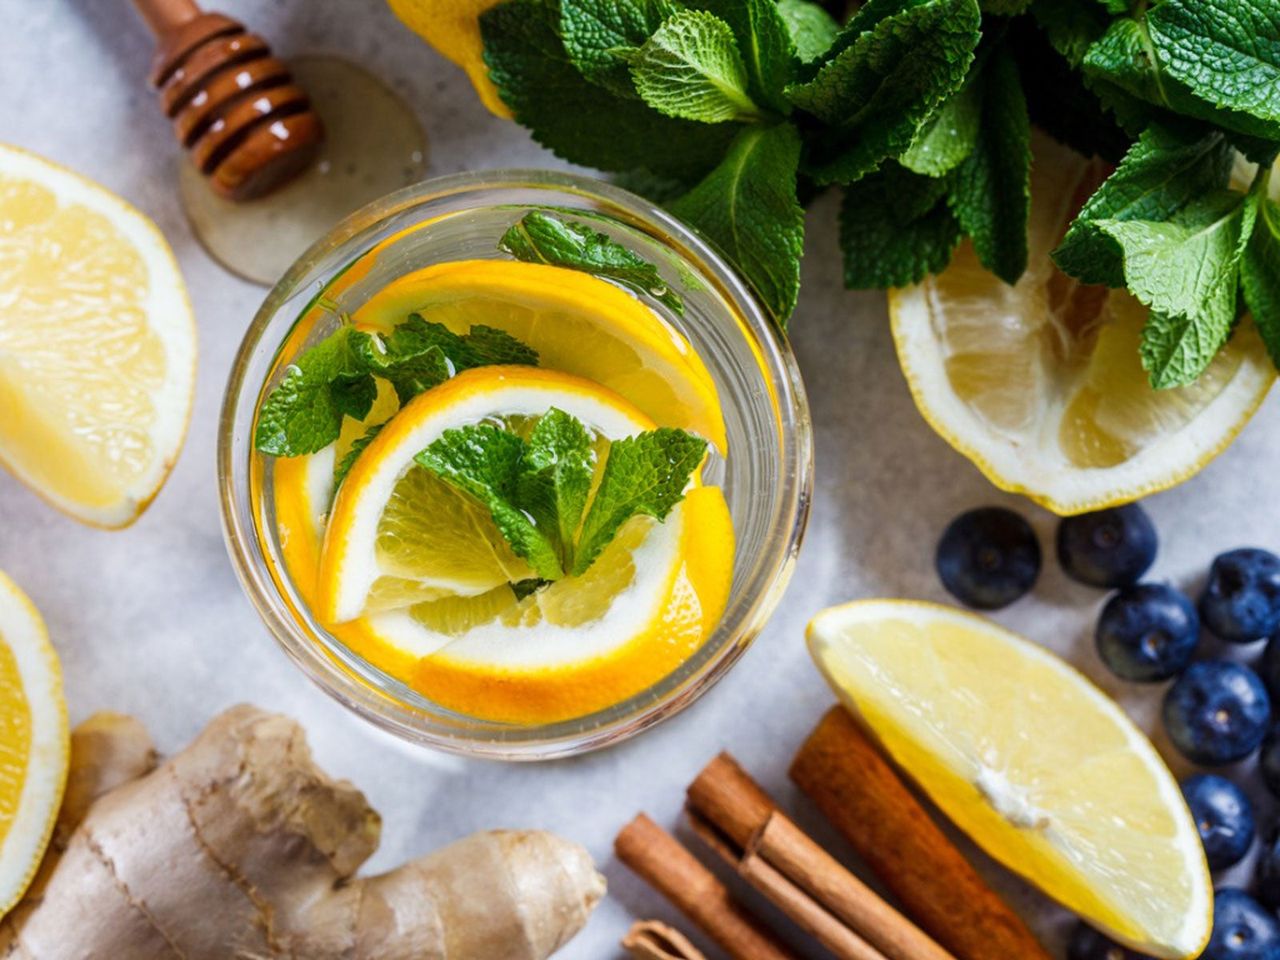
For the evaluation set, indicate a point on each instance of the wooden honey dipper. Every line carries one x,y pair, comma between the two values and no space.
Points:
248,126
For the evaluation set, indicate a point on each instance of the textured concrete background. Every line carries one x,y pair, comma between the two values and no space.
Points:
151,620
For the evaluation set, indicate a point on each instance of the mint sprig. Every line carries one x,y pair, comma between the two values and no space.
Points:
539,490
541,237
754,102
337,378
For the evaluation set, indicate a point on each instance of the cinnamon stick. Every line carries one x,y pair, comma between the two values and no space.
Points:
654,940
860,793
662,861
740,822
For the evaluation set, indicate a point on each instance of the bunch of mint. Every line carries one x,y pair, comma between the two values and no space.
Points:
730,112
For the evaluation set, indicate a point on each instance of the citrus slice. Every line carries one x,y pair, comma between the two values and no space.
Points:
576,322
1031,760
34,742
1040,384
97,344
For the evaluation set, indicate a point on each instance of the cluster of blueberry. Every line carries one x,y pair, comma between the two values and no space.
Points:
1217,711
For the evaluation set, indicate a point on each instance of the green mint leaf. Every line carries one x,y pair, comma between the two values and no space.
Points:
485,462
887,71
643,475
1175,350
948,135
895,229
1260,275
555,479
542,238
304,412
1071,26
485,346
419,354
343,466
991,188
1186,266
1166,169
1131,76
691,68
577,119
812,29
594,31
1227,52
1005,8
747,206
765,43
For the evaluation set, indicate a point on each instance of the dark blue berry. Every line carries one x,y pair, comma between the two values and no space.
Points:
1269,668
1088,944
1109,548
1148,632
1241,601
1217,712
988,557
1267,880
1242,929
1269,761
1224,817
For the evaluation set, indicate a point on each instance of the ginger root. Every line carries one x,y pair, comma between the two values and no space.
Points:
240,847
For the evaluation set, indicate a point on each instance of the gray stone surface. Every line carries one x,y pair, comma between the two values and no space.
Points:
151,620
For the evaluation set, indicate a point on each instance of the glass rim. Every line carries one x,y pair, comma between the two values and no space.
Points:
356,683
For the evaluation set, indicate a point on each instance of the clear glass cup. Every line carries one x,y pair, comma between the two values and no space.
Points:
766,478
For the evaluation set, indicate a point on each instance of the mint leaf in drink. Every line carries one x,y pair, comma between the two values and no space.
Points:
1168,168
748,207
643,475
418,354
1260,275
812,29
895,229
991,188
598,35
543,238
555,479
948,135
1226,52
888,70
484,346
765,43
577,119
330,380
485,462
343,466
691,68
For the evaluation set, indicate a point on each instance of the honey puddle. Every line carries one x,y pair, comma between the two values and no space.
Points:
373,145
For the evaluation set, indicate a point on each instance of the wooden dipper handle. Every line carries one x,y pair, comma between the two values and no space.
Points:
248,126
854,786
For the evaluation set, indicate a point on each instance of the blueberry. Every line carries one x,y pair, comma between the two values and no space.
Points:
1242,929
1269,761
1267,880
1088,944
1109,548
1148,632
1241,601
1217,712
1224,817
988,557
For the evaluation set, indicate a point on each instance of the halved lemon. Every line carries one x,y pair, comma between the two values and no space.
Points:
417,579
576,322
97,344
1031,760
1041,385
35,742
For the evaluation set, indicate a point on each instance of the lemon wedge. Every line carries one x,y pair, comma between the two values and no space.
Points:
35,742
1040,384
97,344
1031,760
576,322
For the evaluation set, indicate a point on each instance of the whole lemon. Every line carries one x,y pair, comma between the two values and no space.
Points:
453,28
